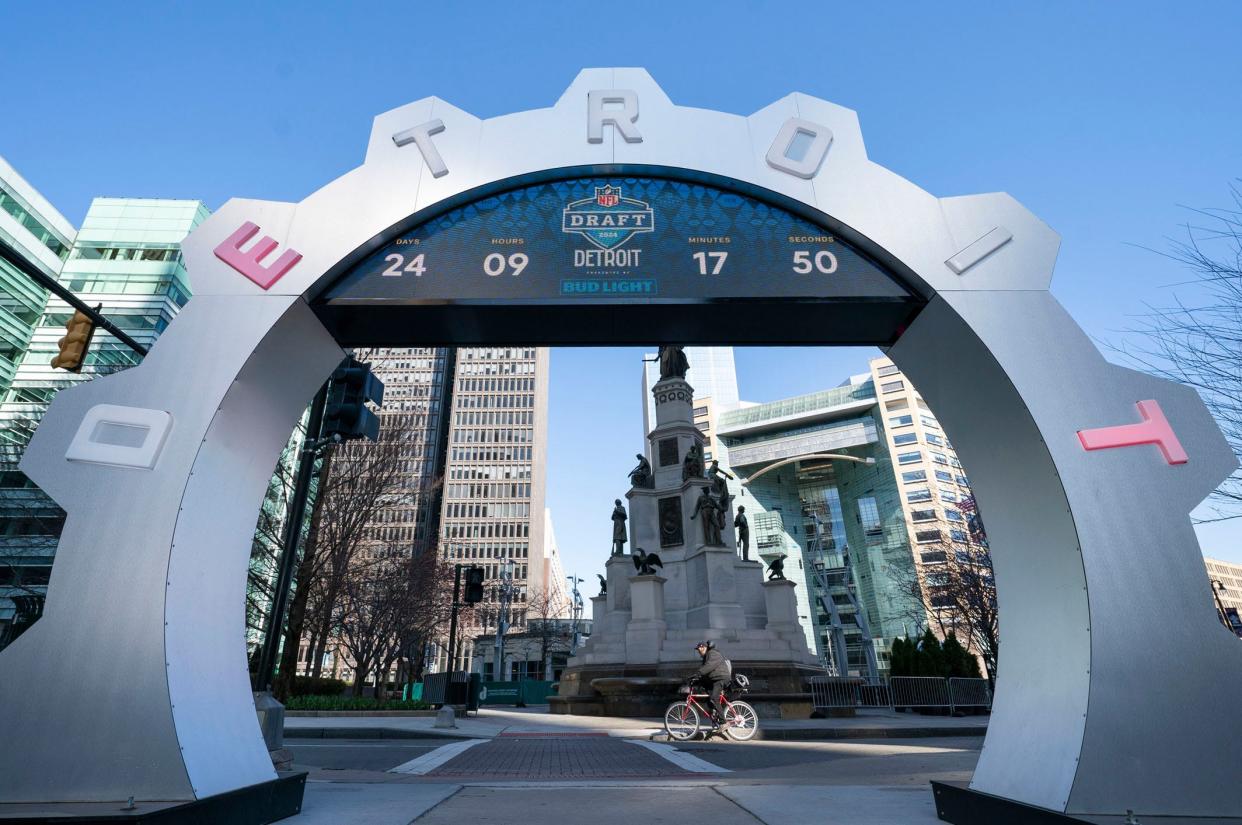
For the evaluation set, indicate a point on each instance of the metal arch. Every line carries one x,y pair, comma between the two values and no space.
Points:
783,462
150,554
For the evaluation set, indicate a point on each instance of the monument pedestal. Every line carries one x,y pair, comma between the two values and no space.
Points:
644,636
782,606
646,628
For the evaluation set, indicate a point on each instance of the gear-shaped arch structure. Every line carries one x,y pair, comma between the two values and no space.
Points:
1096,563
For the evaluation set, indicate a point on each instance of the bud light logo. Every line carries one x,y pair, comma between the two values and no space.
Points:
608,220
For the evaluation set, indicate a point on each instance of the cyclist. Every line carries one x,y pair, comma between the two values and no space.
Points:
716,673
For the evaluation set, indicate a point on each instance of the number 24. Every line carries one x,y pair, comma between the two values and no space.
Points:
399,265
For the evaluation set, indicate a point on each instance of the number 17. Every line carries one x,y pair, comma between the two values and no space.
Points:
718,261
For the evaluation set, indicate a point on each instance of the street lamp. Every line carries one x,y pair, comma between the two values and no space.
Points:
1218,587
502,620
577,614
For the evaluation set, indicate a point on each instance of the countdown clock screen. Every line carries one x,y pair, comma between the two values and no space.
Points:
614,239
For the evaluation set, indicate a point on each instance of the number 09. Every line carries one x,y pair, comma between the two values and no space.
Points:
496,264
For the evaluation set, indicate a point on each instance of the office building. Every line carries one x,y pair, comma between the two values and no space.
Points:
815,475
32,228
1225,579
127,259
859,487
495,481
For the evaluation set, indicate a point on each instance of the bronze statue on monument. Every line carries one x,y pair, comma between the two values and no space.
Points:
673,363
618,529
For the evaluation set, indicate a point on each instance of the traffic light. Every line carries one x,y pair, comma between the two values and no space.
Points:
347,414
73,346
474,585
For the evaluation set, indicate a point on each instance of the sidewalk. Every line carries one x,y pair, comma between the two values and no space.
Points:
652,804
491,722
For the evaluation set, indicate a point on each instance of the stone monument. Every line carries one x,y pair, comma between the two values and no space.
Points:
646,625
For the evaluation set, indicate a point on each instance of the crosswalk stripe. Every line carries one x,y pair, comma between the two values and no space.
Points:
433,759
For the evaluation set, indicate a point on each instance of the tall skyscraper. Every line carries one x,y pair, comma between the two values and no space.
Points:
417,383
126,258
496,478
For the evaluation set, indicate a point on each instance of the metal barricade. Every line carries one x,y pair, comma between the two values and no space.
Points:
829,692
446,688
920,692
970,693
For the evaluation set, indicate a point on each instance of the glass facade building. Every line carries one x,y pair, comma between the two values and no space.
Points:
126,258
31,227
829,517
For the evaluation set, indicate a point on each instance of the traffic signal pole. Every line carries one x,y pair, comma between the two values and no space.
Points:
288,553
54,286
452,651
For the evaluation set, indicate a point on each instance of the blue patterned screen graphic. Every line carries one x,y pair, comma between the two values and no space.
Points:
614,239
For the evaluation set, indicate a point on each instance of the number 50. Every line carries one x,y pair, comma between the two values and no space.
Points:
824,261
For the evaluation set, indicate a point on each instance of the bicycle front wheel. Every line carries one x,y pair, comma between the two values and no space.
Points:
681,721
741,722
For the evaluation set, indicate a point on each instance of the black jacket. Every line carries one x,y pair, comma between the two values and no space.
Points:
714,668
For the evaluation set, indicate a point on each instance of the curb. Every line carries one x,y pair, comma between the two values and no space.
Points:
767,735
375,733
829,734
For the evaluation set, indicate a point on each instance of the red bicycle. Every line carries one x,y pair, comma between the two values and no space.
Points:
684,719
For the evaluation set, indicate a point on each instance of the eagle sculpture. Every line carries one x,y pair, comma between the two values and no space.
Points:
646,563
603,585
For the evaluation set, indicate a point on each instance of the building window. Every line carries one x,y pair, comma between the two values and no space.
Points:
943,475
923,515
933,557
884,372
918,495
928,421
962,480
905,438
901,420
914,475
869,515
897,404
939,458
909,458
953,515
928,536
945,495
932,438
958,535
700,411
892,386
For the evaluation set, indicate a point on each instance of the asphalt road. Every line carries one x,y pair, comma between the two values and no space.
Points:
855,762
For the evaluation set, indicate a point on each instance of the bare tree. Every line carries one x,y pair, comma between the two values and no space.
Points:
957,588
358,482
1198,341
542,610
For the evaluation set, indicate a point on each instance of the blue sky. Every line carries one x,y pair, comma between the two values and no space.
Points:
1104,119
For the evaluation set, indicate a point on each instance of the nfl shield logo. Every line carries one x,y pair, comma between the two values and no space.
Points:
608,196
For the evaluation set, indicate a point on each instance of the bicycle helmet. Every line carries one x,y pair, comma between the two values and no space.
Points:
705,643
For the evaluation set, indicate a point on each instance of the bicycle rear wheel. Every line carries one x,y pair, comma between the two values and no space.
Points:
681,721
741,722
